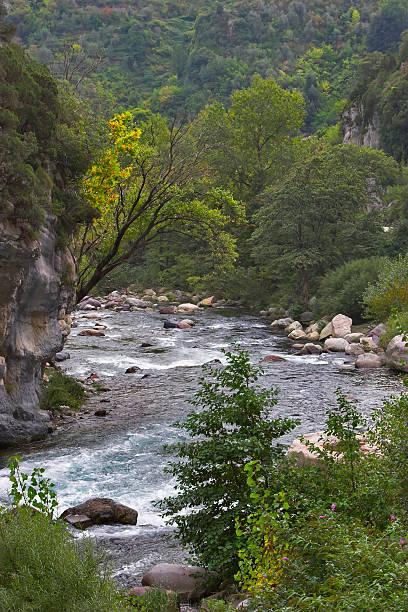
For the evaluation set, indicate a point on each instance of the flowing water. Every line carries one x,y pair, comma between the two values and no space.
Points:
121,456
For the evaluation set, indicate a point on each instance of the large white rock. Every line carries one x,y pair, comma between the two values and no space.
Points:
396,355
337,345
326,331
369,360
314,336
355,349
282,323
297,334
341,325
187,307
305,456
293,326
136,302
311,349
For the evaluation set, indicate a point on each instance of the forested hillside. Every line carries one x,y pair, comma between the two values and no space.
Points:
176,54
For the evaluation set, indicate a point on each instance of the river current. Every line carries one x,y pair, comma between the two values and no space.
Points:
121,456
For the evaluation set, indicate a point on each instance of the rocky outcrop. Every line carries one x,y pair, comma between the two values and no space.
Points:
36,297
356,132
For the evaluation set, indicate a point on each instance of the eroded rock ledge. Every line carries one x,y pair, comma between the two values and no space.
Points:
36,297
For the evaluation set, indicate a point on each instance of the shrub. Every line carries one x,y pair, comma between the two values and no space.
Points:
155,600
62,390
44,569
341,290
390,292
395,324
233,428
336,565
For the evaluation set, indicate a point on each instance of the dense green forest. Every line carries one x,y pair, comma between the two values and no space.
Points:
177,55
237,85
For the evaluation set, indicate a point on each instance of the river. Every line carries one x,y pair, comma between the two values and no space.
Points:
121,455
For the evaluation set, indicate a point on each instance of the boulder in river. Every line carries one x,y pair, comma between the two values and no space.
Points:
133,369
162,298
99,511
190,582
207,301
297,334
273,358
314,336
337,345
368,343
341,325
91,332
369,360
311,349
136,302
282,323
294,325
327,331
169,325
62,356
396,354
168,310
186,323
187,307
355,349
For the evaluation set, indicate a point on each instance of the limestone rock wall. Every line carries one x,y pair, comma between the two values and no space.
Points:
36,297
368,136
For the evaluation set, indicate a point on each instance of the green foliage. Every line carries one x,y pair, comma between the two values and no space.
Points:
61,390
231,427
44,569
40,160
216,605
341,542
386,27
32,491
338,565
179,54
155,600
316,218
396,324
390,292
341,289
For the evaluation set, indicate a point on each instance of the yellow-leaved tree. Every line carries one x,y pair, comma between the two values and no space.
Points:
150,181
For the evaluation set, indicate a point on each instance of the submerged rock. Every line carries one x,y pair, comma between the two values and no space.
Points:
99,511
91,332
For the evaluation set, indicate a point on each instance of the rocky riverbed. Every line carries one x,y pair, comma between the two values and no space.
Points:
120,455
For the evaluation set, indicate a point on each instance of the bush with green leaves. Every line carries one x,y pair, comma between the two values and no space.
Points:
32,491
341,289
61,390
43,568
154,600
390,292
340,541
231,426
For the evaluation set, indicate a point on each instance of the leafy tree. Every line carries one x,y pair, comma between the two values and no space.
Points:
231,427
149,182
253,141
390,292
387,26
341,289
316,217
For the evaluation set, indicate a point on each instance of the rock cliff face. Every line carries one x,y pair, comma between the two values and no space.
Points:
36,297
368,136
